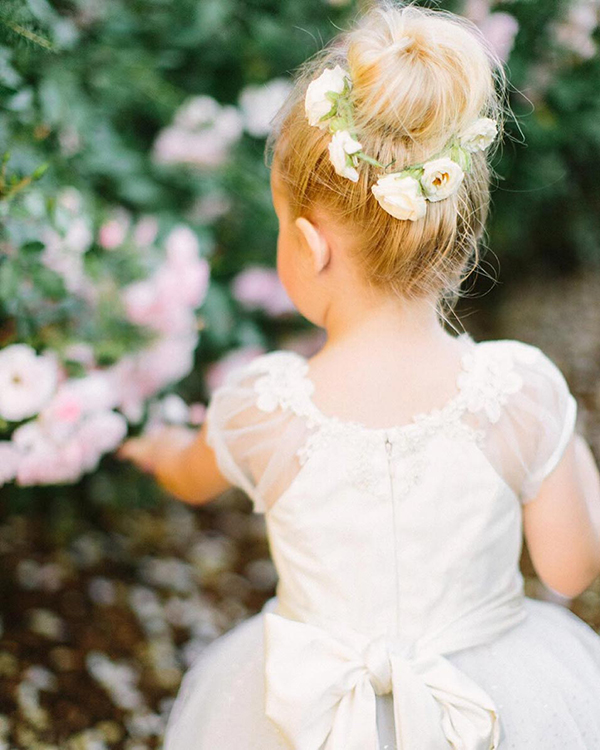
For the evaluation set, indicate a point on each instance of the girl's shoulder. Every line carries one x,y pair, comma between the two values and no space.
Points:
511,398
496,376
525,359
484,358
528,377
536,420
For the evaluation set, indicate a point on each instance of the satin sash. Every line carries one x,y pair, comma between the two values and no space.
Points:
321,684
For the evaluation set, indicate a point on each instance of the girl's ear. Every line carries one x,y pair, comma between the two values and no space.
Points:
316,242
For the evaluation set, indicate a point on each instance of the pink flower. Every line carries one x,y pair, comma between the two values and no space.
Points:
27,381
76,397
476,10
69,140
197,413
189,271
260,287
500,29
197,112
202,134
197,149
51,452
49,463
145,230
260,104
168,361
140,376
158,303
165,301
82,353
70,199
196,280
217,371
575,32
174,409
65,260
29,436
211,207
171,409
100,433
182,245
144,305
113,232
78,237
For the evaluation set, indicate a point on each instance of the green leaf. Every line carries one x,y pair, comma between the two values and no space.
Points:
35,246
49,282
9,281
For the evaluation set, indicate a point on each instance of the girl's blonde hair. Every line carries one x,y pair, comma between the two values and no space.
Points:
407,104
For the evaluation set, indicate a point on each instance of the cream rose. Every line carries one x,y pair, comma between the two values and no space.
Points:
341,144
441,178
479,135
27,381
400,196
316,103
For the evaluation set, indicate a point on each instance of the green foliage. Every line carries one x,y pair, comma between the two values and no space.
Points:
19,26
86,87
11,184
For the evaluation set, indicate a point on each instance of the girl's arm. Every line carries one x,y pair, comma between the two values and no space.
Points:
562,524
181,461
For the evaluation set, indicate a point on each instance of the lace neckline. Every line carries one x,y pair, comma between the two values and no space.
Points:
453,406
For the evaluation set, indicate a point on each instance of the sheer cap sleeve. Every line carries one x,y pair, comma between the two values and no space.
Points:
556,416
537,421
255,441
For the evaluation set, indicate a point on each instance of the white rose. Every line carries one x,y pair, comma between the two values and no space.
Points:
27,381
260,104
441,178
316,103
479,135
400,196
343,143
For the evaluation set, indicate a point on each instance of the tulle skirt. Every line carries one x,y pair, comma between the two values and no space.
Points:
543,675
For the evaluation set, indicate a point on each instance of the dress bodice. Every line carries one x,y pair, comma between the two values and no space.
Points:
406,535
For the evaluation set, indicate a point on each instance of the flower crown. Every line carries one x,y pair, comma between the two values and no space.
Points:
403,194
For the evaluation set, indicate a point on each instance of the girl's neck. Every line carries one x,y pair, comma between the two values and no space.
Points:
376,324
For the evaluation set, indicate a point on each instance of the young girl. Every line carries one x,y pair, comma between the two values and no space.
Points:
398,468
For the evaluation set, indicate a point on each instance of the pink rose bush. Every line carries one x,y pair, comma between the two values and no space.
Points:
165,302
260,103
499,27
259,287
62,404
576,31
201,135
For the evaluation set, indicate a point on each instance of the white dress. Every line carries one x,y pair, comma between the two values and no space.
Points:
400,619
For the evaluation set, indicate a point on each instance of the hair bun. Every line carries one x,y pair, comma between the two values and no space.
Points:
402,45
424,73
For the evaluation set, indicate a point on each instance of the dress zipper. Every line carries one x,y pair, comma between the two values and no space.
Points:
388,448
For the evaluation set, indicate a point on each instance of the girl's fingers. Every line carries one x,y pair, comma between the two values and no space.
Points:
126,450
135,449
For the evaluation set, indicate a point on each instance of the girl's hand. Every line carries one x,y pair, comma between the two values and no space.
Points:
156,447
181,461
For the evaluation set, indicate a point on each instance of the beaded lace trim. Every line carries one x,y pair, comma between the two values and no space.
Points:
487,378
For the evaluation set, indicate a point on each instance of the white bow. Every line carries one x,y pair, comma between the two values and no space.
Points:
321,688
